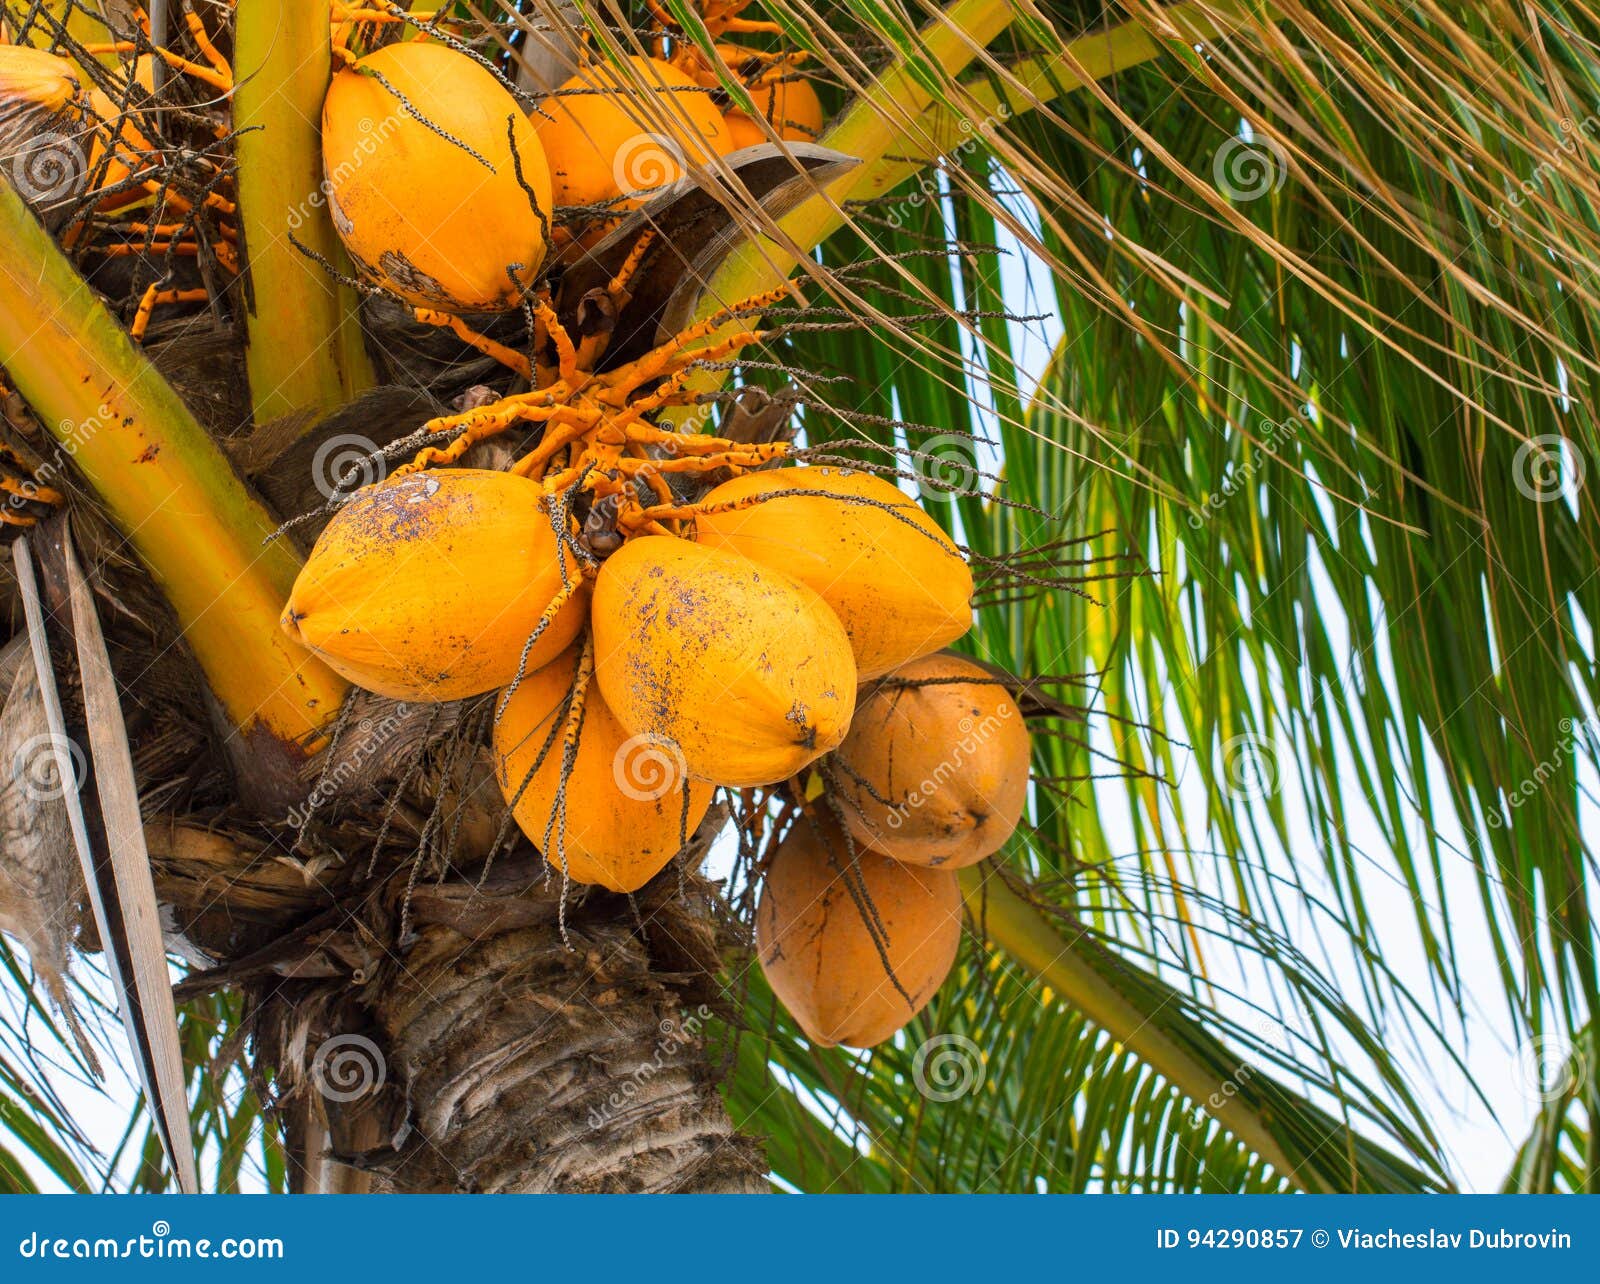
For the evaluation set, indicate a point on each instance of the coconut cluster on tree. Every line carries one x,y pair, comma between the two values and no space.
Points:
442,524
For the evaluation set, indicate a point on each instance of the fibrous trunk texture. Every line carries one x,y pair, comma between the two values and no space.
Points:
534,1070
491,1055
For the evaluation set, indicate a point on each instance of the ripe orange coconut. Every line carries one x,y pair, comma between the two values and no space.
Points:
896,581
818,953
937,773
628,799
790,105
607,139
428,587
432,208
743,669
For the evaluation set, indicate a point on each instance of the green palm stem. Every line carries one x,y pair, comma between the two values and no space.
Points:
304,352
168,486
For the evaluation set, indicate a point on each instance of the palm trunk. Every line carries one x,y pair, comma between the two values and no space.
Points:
454,1041
534,1068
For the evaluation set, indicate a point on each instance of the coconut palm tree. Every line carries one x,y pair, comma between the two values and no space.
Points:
1285,550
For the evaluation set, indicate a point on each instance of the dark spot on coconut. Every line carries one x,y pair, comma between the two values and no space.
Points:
798,716
409,277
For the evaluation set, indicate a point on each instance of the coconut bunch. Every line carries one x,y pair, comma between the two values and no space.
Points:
631,684
617,137
655,614
590,151
770,79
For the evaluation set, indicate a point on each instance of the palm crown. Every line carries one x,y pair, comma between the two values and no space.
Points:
1246,348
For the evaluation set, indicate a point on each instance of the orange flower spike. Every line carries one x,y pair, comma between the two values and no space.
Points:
202,40
508,357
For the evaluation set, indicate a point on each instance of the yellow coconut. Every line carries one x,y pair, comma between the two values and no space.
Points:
935,768
432,208
790,105
898,584
745,670
820,956
607,140
628,800
428,587
32,78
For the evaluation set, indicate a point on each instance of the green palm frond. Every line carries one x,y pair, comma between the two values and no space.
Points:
1559,1153
37,1057
1340,421
993,1088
